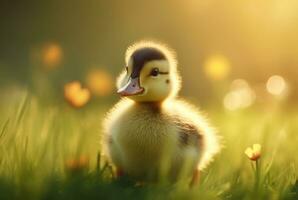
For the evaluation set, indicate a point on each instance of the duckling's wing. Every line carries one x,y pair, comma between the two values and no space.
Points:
188,133
194,123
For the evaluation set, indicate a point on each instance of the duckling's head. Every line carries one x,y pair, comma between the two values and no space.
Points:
150,74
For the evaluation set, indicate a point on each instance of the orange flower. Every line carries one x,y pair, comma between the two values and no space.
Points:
99,82
254,153
52,56
75,94
77,164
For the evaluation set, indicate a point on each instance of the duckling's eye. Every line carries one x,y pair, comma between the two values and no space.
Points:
154,72
126,69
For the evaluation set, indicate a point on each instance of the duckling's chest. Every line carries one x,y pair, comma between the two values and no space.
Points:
143,129
139,138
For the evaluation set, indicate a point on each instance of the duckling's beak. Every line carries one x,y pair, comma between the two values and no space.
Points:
131,88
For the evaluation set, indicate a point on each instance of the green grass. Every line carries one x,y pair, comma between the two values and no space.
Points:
37,139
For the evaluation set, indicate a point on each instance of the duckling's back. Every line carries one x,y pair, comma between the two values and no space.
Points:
189,114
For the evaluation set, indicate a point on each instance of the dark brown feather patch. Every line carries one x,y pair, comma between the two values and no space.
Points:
188,134
142,56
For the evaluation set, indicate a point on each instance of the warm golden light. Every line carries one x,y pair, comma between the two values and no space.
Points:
52,56
217,67
241,95
276,85
75,94
99,82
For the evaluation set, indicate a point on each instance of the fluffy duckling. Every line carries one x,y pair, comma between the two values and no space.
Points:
150,133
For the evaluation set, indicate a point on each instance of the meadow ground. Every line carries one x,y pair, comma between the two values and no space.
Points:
51,151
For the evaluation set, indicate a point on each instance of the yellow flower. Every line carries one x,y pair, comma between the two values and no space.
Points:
99,82
75,94
254,153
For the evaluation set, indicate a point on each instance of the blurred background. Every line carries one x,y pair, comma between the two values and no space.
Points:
232,54
58,65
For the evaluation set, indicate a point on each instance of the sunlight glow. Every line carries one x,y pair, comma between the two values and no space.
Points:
217,67
276,85
241,95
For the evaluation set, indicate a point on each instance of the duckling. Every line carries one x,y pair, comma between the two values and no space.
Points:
151,132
